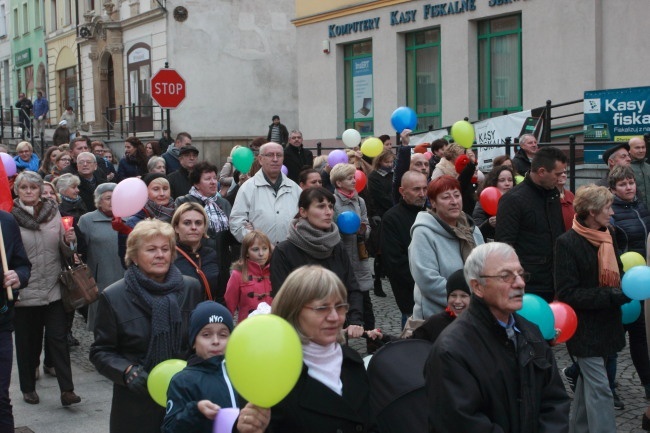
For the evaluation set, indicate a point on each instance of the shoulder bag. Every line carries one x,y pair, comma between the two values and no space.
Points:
78,286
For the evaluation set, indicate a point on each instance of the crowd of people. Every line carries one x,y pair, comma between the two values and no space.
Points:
211,247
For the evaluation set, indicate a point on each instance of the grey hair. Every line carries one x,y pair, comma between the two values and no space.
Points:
523,137
153,161
295,131
475,263
267,145
66,181
30,177
99,192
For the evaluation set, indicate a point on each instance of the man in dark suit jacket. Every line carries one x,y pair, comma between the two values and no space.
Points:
296,158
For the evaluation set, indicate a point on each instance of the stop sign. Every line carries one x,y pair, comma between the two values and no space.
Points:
168,88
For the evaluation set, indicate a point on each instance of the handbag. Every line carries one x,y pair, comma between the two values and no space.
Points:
79,287
361,247
208,292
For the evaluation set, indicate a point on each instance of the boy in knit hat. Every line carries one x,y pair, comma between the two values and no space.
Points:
196,394
458,294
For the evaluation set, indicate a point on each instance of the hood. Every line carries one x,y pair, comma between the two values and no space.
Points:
426,219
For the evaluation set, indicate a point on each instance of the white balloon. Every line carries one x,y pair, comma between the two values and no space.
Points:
351,138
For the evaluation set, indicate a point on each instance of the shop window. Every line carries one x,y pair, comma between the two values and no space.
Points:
499,66
423,83
359,103
29,81
25,19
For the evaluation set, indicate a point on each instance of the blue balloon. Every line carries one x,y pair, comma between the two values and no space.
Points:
348,222
539,312
636,283
404,118
631,311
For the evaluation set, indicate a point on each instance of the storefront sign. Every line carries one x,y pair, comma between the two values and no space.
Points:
397,17
23,57
355,27
495,131
449,8
614,115
501,2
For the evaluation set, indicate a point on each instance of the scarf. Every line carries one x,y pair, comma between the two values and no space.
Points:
216,216
173,151
383,172
31,217
348,195
608,273
71,200
464,231
31,165
450,312
315,242
324,364
160,212
161,301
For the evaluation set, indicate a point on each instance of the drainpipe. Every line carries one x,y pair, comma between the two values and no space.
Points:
80,110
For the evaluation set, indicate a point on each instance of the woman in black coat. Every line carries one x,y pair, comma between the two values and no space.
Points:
333,392
142,320
588,278
190,223
134,162
314,239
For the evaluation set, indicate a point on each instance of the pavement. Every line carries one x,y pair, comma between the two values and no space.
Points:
92,414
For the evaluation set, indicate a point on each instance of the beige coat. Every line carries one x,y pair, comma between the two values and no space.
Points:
42,248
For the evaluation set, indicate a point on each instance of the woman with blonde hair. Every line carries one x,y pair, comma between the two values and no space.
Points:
61,162
26,159
142,320
333,391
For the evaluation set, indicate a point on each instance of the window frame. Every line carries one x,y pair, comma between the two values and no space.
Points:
350,120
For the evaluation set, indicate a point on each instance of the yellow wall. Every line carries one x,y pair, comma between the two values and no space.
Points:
311,11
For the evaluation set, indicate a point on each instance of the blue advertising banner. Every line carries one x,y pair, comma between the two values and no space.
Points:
614,115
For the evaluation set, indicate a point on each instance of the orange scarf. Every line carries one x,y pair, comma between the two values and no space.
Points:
608,273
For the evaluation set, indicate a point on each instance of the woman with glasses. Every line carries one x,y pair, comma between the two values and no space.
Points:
441,240
61,162
313,239
588,278
26,159
333,392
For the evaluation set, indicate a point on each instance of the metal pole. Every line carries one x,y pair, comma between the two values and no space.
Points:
108,123
508,140
572,162
319,148
121,121
546,136
2,122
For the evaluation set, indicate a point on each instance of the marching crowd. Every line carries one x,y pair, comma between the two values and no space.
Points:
212,246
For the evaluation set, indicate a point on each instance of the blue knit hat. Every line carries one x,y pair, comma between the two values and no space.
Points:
208,312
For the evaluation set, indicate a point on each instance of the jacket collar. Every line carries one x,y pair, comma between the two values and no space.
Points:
410,207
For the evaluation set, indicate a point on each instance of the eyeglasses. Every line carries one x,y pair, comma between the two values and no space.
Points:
324,310
273,155
85,162
65,159
509,277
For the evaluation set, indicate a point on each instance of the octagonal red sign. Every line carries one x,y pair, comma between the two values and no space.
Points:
168,88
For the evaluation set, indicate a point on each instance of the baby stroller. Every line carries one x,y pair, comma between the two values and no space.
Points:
397,396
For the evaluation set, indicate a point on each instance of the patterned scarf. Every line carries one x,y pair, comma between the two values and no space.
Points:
32,217
161,299
464,231
608,273
216,216
315,242
160,212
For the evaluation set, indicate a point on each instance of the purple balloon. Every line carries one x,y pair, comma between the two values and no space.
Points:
337,157
284,170
9,163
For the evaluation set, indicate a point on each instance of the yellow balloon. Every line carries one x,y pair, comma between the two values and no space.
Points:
632,259
463,133
518,179
161,376
264,359
372,147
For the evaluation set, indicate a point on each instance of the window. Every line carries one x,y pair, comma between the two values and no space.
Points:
423,77
359,113
499,66
29,80
90,5
53,16
16,28
37,14
3,23
67,13
25,19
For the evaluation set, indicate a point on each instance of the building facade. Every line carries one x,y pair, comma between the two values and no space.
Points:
358,61
28,47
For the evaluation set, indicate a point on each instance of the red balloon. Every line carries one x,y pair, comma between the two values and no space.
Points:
490,200
565,320
361,180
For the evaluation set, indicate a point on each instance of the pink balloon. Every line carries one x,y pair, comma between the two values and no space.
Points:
428,155
284,170
9,163
129,197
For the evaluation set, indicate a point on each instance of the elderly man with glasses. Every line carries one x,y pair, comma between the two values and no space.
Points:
491,370
268,201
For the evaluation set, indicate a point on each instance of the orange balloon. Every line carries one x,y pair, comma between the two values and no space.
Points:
489,200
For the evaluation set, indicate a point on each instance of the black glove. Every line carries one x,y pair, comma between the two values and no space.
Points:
136,380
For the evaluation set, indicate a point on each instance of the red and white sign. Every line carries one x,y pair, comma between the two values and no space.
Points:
168,88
